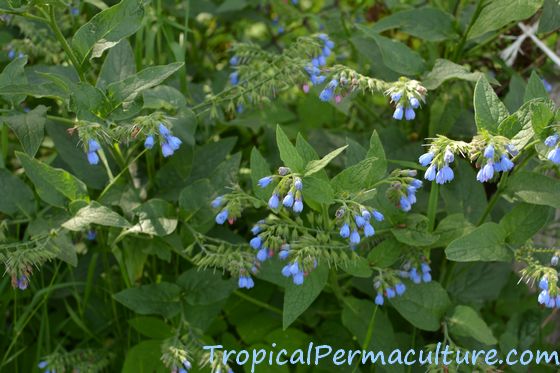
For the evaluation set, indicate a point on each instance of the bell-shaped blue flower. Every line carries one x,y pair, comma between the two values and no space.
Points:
426,158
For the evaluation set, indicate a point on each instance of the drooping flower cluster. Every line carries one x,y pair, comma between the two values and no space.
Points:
548,296
230,208
299,270
421,272
491,155
169,143
288,192
438,165
403,188
406,95
390,288
353,218
261,242
553,141
317,62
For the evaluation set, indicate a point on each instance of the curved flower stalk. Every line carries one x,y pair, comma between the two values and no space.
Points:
492,155
545,277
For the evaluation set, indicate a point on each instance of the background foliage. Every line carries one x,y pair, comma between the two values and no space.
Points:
121,265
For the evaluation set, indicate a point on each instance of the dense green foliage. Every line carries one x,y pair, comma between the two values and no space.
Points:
175,174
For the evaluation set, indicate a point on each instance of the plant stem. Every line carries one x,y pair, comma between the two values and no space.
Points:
258,302
369,336
62,40
460,47
432,206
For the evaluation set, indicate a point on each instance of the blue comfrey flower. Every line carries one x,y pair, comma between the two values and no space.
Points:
163,130
411,196
274,201
11,54
222,217
93,147
448,156
345,231
404,204
174,142
294,268
257,228
378,216
298,184
322,60
234,78
396,96
543,283
298,206
414,103
355,237
22,282
327,93
169,143
486,173
554,155
312,70
551,140
360,221
399,112
262,254
409,114
217,202
255,242
444,175
263,182
74,11
511,149
390,293
298,278
286,271
368,230
317,79
489,152
326,51
504,165
288,200
379,299
245,282
426,277
91,235
430,174
547,85
400,288
42,364
416,183
543,297
149,142
166,150
234,61
426,158
414,276
366,215
554,260
284,252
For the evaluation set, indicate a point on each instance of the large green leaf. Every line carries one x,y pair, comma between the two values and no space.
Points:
315,166
160,299
489,111
144,357
288,152
465,322
426,23
535,88
16,195
29,128
396,55
498,13
260,169
155,217
107,28
535,188
476,282
550,18
297,298
444,70
485,243
130,87
524,221
118,65
423,305
94,213
53,185
205,287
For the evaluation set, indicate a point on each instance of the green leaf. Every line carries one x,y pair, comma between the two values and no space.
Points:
12,76
144,357
496,14
94,213
396,55
415,232
298,298
107,28
489,110
524,221
53,185
318,190
426,23
445,70
260,169
356,177
534,188
118,65
196,196
535,88
163,97
29,128
423,305
379,167
317,165
288,152
387,253
465,322
231,6
450,228
161,299
155,217
358,267
88,102
550,18
130,87
151,327
205,287
485,243
476,282
16,195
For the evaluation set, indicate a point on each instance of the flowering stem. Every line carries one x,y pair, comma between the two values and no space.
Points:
432,206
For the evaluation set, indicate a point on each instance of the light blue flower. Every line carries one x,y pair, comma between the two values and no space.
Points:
149,142
444,175
409,113
355,237
288,200
298,278
166,150
426,158
551,140
489,152
222,217
345,231
399,112
274,201
404,204
262,254
414,103
92,158
430,173
256,242
298,206
368,230
217,202
378,216
379,299
554,155
400,288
